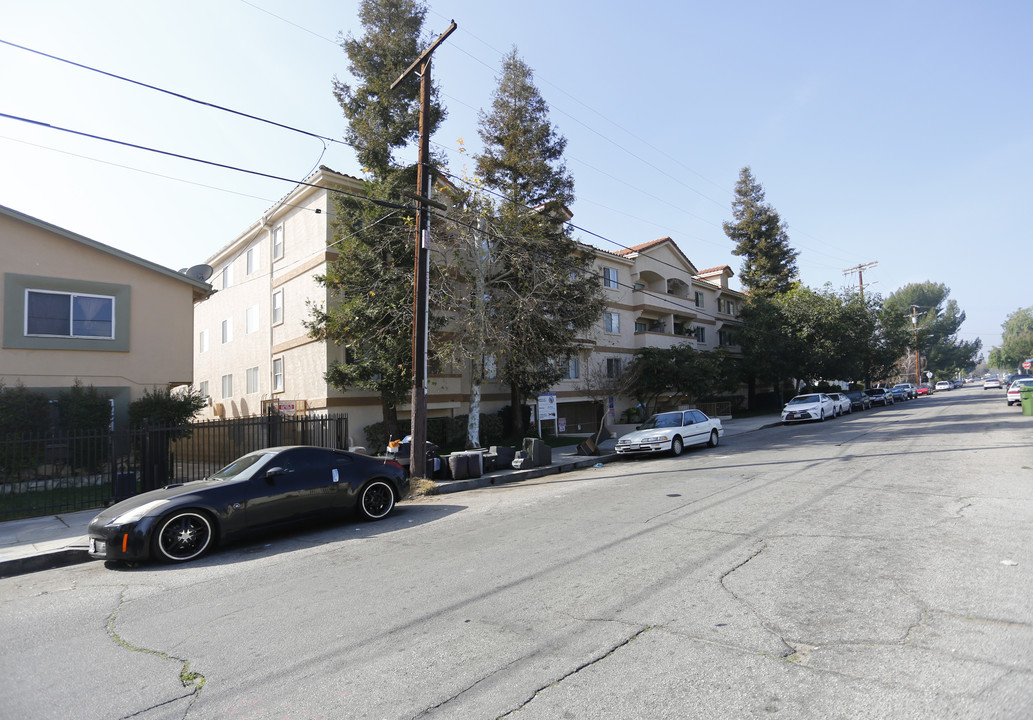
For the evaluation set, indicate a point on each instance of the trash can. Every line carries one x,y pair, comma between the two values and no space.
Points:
1026,395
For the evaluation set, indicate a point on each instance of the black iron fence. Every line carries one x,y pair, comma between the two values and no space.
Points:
43,474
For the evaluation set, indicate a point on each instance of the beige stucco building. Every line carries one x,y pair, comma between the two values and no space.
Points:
76,309
252,350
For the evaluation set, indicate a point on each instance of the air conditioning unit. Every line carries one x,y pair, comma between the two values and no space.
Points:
218,409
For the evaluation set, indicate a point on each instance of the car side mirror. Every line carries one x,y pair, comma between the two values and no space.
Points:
273,473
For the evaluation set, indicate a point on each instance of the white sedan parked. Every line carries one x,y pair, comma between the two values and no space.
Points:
843,404
672,431
815,406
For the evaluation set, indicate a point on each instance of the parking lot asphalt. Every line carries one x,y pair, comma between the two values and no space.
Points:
59,540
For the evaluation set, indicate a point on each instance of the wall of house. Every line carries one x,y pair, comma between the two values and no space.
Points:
153,316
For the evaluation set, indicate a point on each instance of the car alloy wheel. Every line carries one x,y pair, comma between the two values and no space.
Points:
714,439
376,500
821,416
183,536
676,446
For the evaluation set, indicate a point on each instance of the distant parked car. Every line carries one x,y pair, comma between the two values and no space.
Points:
879,396
900,394
815,406
859,400
992,384
1014,390
924,390
843,404
944,385
671,432
910,388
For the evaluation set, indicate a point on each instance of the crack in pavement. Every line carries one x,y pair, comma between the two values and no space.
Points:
194,681
624,643
790,650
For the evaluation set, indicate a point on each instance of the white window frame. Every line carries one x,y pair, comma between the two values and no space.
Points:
613,367
227,386
277,241
699,300
612,322
701,334
227,330
252,381
573,369
227,275
277,374
610,278
202,341
252,259
277,308
71,314
202,389
251,320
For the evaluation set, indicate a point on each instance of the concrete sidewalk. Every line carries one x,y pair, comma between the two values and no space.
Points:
59,540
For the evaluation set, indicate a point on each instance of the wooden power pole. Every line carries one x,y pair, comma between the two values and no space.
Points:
421,283
859,269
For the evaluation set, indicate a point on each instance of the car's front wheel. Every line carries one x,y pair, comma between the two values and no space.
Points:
183,536
714,439
376,500
676,446
821,416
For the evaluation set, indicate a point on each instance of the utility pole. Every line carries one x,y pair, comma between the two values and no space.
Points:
918,358
859,269
421,282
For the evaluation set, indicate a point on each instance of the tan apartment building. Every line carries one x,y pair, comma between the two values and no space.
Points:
253,353
655,297
77,309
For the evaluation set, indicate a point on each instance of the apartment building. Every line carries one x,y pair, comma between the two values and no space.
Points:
655,297
253,353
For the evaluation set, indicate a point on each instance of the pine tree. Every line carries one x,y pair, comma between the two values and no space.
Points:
542,292
369,314
769,263
380,119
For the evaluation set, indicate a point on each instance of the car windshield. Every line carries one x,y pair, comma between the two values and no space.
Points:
243,467
804,400
663,420
1020,383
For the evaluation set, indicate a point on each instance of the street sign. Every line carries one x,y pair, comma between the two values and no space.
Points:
547,406
287,407
1026,365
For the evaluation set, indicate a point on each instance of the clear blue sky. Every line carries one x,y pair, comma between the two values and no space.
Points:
890,132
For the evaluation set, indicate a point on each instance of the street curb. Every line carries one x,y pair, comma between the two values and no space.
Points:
446,487
44,561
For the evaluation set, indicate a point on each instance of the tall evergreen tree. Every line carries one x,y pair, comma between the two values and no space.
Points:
369,314
380,119
939,320
769,263
1016,341
542,292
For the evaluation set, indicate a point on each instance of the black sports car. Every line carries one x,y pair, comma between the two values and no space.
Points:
262,489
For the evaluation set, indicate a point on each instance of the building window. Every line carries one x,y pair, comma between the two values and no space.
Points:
613,367
277,242
278,375
724,337
252,380
491,370
227,276
202,341
699,299
227,330
613,322
202,389
227,386
730,307
701,334
610,277
277,307
251,320
57,314
640,326
252,259
573,369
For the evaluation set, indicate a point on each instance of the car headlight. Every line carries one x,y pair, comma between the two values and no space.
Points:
137,513
655,438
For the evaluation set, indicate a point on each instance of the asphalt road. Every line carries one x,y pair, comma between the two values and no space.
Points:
873,566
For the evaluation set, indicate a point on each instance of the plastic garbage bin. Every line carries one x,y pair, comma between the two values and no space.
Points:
1026,397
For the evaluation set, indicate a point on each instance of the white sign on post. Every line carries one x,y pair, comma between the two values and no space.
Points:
546,410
